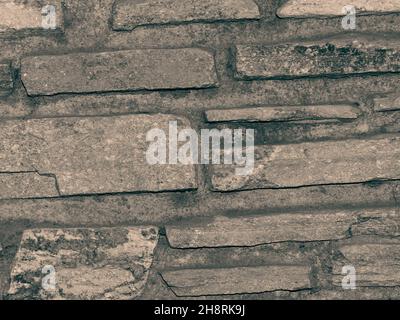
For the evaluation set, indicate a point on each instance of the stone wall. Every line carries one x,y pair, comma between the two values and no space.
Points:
79,94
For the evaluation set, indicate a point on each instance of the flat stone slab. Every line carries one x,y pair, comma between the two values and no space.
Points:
17,15
266,229
95,155
376,265
333,8
314,163
204,282
150,69
336,57
257,230
388,103
103,263
131,14
284,113
6,79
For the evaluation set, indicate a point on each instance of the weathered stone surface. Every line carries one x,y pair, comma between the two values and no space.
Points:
89,155
302,227
388,103
314,163
6,80
286,113
329,8
337,57
119,71
203,282
16,15
27,185
105,263
256,230
375,264
131,14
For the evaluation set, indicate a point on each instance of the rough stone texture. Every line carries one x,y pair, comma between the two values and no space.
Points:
106,263
319,163
322,79
256,230
376,264
6,80
17,15
118,71
329,8
388,103
286,113
337,57
27,185
88,155
203,282
131,14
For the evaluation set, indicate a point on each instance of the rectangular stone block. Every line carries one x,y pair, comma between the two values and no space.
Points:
131,14
95,155
390,102
376,265
6,79
119,71
17,15
333,58
314,163
285,113
82,264
204,282
333,8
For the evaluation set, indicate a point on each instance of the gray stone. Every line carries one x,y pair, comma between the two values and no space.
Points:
22,15
336,57
203,282
119,71
286,113
301,227
87,156
6,80
332,8
27,185
131,14
314,163
376,264
388,103
104,263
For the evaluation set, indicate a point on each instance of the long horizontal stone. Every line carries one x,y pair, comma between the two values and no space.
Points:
388,103
314,163
150,69
131,14
332,8
375,264
204,282
104,263
87,156
16,15
6,79
300,227
285,113
336,57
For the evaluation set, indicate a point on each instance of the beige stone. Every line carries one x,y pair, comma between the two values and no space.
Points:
150,69
203,282
329,8
315,163
284,113
103,263
94,155
131,14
